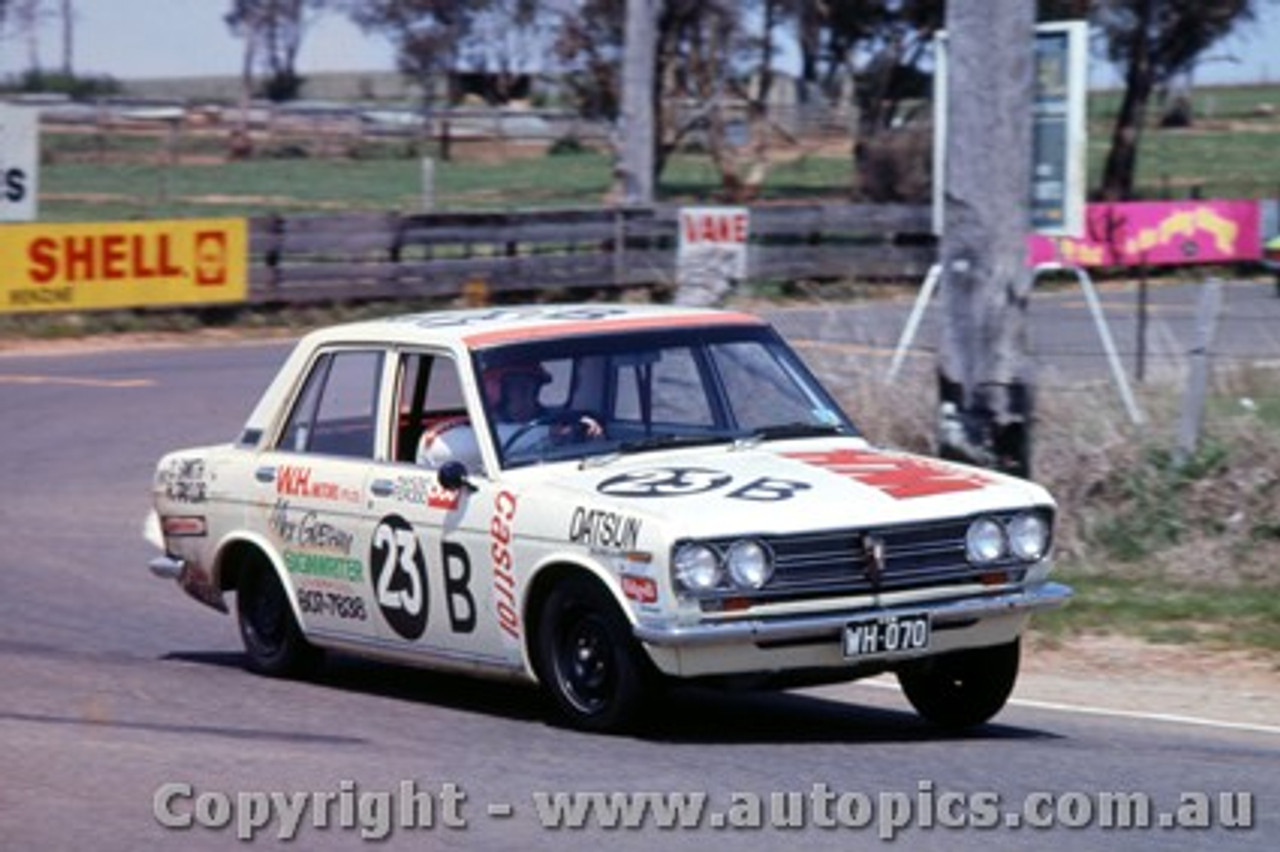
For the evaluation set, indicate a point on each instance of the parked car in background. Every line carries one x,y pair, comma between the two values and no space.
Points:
603,499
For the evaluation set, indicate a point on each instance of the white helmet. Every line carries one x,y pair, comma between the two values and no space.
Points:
451,440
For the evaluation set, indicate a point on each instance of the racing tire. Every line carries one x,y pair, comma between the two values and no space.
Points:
962,689
273,641
588,660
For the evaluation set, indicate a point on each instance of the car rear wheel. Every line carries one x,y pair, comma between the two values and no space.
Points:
588,660
272,639
962,689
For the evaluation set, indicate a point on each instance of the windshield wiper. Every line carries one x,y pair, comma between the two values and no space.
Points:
667,441
780,431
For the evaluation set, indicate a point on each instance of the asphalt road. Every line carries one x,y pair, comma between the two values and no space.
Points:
120,697
1065,344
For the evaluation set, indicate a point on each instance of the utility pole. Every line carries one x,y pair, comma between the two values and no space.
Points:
985,387
68,15
635,136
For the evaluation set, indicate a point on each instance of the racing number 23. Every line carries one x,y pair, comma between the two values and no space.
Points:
400,576
399,569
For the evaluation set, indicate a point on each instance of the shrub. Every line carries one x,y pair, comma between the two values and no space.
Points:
567,146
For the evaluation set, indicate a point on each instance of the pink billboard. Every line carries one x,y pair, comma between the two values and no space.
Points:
1157,233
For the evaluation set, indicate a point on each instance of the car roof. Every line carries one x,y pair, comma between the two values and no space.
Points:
479,328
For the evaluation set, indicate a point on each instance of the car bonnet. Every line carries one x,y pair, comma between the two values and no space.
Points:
789,486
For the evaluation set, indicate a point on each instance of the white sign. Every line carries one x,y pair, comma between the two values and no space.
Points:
713,243
19,162
1058,131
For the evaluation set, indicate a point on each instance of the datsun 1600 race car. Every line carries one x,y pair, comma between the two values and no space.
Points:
604,499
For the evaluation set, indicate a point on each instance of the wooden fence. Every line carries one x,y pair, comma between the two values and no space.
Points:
382,256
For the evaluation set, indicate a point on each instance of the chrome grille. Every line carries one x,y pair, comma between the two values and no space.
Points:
836,561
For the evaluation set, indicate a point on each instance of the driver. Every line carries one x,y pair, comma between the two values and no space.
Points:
511,400
511,392
511,395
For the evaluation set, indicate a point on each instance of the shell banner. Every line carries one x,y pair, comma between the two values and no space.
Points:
56,267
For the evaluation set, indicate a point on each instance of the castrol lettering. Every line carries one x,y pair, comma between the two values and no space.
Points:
504,581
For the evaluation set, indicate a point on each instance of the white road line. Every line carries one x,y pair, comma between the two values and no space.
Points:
1087,710
12,379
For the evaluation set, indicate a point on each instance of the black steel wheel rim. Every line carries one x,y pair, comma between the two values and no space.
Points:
267,615
585,664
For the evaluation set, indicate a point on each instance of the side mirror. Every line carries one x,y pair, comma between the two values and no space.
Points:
453,475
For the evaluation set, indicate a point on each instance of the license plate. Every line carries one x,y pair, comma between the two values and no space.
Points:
887,634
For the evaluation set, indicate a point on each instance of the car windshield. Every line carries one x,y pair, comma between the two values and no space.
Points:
621,393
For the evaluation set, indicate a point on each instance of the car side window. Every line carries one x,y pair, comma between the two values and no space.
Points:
429,395
335,414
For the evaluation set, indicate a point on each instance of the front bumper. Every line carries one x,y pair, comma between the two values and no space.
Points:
828,625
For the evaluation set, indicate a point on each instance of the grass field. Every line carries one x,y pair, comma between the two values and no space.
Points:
80,191
1231,152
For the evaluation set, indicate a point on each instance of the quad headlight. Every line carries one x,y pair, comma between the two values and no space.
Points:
744,566
985,541
1028,536
696,568
749,563
1024,536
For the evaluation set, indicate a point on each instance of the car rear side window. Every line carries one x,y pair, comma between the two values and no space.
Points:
335,414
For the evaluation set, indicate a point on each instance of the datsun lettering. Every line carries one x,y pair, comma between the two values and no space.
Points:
605,500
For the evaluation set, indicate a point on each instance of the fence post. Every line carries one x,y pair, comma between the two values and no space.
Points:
1140,371
619,245
428,185
275,248
1193,401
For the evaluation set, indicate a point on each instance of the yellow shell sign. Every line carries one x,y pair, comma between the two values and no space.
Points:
53,267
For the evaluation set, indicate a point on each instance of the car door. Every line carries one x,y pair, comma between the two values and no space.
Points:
310,494
436,589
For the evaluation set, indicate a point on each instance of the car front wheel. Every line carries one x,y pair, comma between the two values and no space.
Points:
588,660
272,639
962,689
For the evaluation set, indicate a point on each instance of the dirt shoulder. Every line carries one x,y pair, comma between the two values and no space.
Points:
1127,674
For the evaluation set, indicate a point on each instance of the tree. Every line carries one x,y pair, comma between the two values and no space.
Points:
507,40
1153,41
704,66
588,45
28,15
429,35
875,49
273,31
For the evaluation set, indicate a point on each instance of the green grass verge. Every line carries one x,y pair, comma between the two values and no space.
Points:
1160,610
79,191
1215,163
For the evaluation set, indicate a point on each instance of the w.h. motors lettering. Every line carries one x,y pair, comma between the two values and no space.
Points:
115,257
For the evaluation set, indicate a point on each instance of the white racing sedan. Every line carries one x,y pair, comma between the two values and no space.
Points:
604,499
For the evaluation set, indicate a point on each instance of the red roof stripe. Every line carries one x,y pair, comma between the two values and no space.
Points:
558,329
